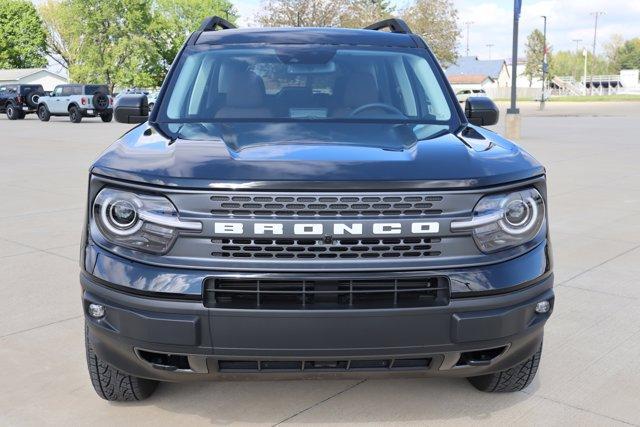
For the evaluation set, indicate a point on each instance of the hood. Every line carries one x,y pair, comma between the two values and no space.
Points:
315,156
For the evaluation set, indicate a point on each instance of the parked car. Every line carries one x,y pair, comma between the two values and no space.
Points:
77,101
317,202
464,94
151,99
16,101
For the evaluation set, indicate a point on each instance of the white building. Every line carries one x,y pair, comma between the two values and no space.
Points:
32,76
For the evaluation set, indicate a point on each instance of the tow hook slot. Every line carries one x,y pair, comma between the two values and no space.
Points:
480,357
165,361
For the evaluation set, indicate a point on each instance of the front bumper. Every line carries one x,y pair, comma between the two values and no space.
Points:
468,337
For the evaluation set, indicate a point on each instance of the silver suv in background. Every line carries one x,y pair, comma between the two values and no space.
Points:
77,101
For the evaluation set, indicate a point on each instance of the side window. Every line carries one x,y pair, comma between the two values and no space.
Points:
57,91
67,90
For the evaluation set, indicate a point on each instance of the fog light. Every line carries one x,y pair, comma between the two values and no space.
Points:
543,307
96,311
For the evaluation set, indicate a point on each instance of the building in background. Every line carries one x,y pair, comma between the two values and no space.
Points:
32,76
494,69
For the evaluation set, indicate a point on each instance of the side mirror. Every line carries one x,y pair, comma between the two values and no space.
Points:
481,111
131,109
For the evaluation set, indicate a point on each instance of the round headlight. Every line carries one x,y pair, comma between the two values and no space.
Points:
123,214
517,213
119,214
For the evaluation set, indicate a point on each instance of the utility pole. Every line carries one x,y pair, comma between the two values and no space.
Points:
490,46
513,114
597,14
577,42
544,63
585,54
468,24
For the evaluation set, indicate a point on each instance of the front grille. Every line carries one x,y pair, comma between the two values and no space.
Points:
328,294
351,205
324,365
408,247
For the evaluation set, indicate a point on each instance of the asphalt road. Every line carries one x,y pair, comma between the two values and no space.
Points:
590,370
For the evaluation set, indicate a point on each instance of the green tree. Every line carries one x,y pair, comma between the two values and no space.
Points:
22,35
534,49
568,63
173,21
300,13
361,13
437,22
629,55
101,41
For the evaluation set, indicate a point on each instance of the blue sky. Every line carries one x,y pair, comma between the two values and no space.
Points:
567,20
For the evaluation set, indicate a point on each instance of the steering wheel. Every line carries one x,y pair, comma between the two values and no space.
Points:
389,108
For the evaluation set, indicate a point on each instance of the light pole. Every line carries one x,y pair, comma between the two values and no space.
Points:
513,114
490,46
597,14
468,24
544,63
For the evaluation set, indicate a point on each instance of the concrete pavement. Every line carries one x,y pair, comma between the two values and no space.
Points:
589,373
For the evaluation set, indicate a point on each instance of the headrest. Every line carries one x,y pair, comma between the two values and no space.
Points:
361,89
246,90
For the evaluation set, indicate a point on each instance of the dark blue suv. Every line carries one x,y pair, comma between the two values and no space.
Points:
312,200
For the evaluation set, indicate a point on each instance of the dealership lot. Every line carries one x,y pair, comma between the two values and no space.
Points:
589,373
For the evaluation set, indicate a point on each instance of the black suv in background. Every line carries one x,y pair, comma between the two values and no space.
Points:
16,101
308,200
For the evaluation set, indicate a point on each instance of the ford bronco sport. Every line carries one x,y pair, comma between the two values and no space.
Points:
77,101
16,101
302,201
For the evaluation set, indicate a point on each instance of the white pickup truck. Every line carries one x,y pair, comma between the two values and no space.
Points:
77,101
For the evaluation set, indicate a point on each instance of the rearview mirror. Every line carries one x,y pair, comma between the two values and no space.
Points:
131,109
481,111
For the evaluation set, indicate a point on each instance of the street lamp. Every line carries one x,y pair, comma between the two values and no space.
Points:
597,14
544,63
513,114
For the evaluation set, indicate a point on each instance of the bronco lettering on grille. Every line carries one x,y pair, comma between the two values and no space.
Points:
337,229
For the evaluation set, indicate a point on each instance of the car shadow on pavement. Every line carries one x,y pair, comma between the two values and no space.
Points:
338,401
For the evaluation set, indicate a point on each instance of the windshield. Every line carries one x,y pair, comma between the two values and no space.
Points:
303,83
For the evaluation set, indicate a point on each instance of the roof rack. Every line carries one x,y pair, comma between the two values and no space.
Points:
212,22
396,25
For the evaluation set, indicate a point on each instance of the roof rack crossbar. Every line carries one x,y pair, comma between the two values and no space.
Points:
212,22
396,25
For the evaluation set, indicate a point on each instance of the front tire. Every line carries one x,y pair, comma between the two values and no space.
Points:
74,115
111,383
43,113
509,380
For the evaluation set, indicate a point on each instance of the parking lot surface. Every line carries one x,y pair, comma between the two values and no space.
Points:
590,370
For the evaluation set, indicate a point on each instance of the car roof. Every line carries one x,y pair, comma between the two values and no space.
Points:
297,35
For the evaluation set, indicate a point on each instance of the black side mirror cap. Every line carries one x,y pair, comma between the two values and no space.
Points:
131,109
481,111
